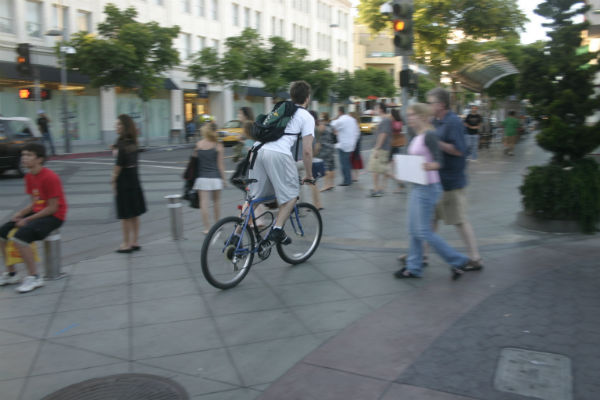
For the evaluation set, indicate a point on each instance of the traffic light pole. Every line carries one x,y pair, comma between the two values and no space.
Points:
63,89
404,91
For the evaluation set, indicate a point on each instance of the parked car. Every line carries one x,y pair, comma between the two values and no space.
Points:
16,132
368,123
231,132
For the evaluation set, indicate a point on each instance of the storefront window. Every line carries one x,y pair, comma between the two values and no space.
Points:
33,25
7,15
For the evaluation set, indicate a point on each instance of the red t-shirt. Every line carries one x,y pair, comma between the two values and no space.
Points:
43,186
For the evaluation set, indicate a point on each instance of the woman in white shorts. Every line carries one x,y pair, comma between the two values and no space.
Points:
211,172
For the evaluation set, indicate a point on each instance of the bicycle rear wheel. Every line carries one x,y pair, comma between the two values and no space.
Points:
223,264
305,228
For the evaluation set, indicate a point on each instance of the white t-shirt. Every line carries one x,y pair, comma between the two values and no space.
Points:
348,132
302,122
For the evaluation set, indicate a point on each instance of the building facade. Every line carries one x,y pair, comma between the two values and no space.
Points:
323,27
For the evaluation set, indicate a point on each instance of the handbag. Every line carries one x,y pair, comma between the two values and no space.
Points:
241,171
190,194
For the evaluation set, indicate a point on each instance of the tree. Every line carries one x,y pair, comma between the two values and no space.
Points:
435,22
275,64
373,82
126,53
559,81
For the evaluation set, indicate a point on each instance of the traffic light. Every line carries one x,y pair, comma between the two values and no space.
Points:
23,60
29,94
402,12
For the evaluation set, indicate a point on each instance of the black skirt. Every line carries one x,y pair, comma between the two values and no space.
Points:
130,197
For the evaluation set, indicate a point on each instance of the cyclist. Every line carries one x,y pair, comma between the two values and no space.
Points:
275,167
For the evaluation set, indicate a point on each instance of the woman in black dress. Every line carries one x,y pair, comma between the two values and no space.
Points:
126,184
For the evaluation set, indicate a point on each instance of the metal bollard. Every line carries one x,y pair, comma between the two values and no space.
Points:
52,256
175,207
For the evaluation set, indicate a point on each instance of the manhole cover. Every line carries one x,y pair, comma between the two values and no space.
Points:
122,387
532,373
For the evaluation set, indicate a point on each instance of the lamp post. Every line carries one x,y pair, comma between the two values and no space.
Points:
63,86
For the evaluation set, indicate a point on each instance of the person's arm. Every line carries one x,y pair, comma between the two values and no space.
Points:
307,156
433,144
50,209
20,214
456,144
117,167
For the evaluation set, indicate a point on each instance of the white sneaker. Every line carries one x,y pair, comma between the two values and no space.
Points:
6,279
29,283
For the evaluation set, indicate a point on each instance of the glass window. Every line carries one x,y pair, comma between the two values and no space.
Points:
281,28
186,6
200,8
7,12
159,2
235,14
201,43
34,19
84,21
246,17
215,45
187,42
257,21
60,18
214,11
273,26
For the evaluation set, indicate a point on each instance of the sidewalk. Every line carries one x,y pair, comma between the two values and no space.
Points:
336,327
100,149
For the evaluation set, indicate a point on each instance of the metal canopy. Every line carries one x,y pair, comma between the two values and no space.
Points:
487,68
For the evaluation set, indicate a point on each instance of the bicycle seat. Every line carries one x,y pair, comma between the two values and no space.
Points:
244,181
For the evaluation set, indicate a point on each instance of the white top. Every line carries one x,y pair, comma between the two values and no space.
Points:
348,132
302,122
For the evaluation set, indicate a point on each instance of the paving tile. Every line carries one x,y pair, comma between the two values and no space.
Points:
56,358
240,300
170,272
43,385
236,394
30,305
293,274
396,391
11,389
210,364
33,326
374,284
345,268
257,326
90,320
159,340
88,281
156,260
97,266
10,338
109,343
79,299
166,310
193,385
162,289
264,362
312,382
21,356
331,316
377,301
311,293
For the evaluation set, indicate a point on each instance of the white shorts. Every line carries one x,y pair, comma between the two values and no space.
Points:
208,184
276,174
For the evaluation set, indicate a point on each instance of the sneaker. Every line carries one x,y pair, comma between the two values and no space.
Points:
279,236
30,283
6,279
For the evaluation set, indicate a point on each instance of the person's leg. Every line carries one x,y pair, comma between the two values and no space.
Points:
205,201
28,257
9,268
474,146
285,210
375,182
135,231
346,167
126,230
316,198
468,235
216,198
414,261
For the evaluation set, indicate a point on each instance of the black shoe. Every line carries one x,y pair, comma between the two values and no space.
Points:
278,235
344,184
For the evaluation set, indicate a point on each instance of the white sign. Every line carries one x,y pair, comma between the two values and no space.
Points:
410,169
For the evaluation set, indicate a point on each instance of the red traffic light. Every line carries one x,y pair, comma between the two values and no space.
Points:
25,94
399,25
29,94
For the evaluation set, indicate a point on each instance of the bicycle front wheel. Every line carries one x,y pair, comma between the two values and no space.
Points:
305,228
224,264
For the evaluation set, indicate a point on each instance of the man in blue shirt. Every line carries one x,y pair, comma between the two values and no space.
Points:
452,207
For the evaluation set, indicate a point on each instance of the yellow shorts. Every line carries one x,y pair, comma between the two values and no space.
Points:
381,163
452,207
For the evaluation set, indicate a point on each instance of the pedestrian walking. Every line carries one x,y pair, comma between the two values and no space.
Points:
211,173
129,196
44,125
423,198
453,205
347,133
356,161
327,150
511,127
46,212
379,162
473,123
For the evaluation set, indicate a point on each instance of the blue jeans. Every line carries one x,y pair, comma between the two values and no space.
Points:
421,206
472,145
47,137
345,165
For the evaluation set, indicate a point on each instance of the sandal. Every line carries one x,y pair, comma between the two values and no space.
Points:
472,265
405,274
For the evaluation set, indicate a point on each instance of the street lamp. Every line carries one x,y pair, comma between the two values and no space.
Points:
63,85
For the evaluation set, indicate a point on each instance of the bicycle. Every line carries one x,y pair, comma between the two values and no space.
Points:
226,263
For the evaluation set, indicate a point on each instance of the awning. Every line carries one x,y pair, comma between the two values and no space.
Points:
487,68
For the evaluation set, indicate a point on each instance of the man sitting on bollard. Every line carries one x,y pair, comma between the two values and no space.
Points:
46,213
